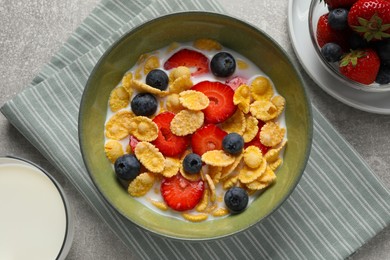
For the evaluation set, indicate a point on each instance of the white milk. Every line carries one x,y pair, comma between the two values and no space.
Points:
32,214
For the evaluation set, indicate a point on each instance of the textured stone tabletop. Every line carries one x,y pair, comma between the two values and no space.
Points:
31,31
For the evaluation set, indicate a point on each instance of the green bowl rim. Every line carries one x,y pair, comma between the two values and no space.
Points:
208,13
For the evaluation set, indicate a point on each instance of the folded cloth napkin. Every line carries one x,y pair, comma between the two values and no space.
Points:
338,205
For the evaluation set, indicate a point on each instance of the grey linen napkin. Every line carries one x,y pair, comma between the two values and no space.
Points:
338,205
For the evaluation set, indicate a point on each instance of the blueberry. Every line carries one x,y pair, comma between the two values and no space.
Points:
332,52
223,64
338,19
157,79
127,167
144,104
383,76
383,50
233,143
357,42
236,199
192,163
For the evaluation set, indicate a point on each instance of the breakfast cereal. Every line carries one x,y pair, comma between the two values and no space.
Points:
195,110
143,128
150,157
193,100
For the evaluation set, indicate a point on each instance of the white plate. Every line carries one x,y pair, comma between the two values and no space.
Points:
298,26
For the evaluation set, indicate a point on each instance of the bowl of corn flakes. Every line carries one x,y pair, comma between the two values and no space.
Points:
191,132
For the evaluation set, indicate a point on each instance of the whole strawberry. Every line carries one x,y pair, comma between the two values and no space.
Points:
326,34
360,65
339,3
371,19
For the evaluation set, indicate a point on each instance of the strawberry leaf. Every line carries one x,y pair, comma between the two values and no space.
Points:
386,27
373,28
352,58
363,21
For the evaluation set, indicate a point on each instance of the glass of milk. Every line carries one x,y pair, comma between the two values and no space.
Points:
35,217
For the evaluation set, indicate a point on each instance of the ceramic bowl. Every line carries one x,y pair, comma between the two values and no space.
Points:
183,27
318,8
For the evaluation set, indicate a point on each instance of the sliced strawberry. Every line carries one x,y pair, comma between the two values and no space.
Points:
221,105
133,142
207,138
235,82
181,194
168,143
188,58
256,140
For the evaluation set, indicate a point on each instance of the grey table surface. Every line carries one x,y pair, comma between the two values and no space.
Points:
32,30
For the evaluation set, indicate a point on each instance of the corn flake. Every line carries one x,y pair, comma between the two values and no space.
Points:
242,65
204,202
263,110
138,73
150,157
261,88
113,150
180,84
119,98
271,134
173,46
171,167
179,72
215,173
213,170
141,184
211,187
273,154
189,176
211,208
218,158
253,157
242,98
280,103
142,87
193,100
173,103
248,175
230,168
186,122
251,128
117,127
275,164
207,44
235,124
268,176
126,82
220,212
143,128
159,204
230,182
195,217
142,58
150,64
256,185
